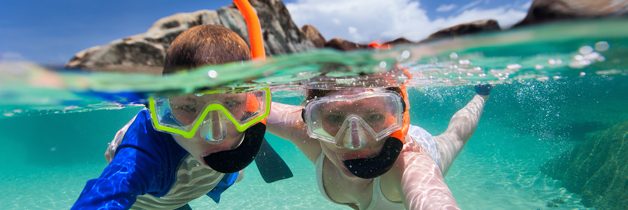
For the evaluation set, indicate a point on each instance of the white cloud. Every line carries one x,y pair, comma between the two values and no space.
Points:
445,7
368,20
470,5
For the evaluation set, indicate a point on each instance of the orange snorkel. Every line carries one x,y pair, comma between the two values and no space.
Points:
254,28
401,133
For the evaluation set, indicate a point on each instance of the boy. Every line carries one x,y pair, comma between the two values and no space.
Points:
184,146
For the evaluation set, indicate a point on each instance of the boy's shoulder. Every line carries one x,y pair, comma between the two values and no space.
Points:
140,134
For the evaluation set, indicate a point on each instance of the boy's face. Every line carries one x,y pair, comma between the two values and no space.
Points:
186,108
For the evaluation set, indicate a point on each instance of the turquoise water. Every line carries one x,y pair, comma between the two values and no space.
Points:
554,86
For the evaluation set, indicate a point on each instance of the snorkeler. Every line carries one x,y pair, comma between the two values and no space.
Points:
367,155
185,146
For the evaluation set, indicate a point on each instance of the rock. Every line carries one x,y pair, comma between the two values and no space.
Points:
146,52
398,41
166,29
133,55
542,11
464,29
596,169
281,34
344,45
312,34
230,17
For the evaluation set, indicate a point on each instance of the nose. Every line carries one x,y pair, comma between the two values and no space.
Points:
214,128
217,126
355,137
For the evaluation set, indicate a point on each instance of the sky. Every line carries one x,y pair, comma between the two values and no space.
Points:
51,32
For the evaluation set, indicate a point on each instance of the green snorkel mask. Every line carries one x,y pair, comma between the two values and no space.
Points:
210,112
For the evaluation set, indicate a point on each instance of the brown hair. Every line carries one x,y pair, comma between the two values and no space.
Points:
205,45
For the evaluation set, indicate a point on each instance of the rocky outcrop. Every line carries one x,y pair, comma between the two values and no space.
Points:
344,45
281,34
312,34
542,11
135,55
596,169
451,32
398,41
474,27
146,52
166,29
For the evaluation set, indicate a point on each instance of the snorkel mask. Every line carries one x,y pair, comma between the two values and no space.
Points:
368,168
211,112
349,121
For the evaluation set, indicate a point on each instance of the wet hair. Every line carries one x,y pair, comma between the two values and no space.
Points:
205,45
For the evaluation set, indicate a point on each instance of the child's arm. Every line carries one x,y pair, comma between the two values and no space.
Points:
285,121
142,164
461,127
126,177
422,182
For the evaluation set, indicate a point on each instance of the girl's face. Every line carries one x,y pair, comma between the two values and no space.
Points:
372,111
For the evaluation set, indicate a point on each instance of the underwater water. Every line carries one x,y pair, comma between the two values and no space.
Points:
558,89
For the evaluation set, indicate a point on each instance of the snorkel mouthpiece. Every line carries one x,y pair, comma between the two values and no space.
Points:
368,168
234,160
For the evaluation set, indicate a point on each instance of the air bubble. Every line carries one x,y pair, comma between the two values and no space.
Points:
553,62
513,66
212,74
405,54
585,50
601,46
382,64
453,55
542,79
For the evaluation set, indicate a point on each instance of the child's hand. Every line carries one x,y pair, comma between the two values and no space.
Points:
483,89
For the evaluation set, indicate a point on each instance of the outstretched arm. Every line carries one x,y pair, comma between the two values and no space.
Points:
127,176
285,121
422,182
461,127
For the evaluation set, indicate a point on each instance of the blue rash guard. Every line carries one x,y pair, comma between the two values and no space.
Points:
146,162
